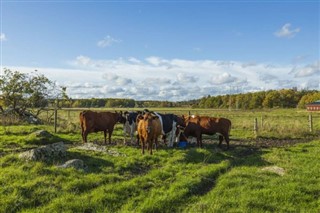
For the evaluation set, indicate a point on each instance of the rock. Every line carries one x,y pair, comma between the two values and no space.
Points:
46,153
92,147
97,148
275,169
42,134
74,163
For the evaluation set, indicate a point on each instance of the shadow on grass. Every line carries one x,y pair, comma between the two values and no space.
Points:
237,155
93,164
45,140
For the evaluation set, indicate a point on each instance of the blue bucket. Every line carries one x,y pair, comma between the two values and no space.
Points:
182,144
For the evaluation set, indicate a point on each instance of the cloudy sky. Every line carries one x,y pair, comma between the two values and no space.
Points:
164,50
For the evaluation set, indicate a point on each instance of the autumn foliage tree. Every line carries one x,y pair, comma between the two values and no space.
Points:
22,91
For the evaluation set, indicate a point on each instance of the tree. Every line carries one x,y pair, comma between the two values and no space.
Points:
21,91
309,98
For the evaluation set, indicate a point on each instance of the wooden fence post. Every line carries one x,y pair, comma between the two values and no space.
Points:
310,123
55,120
255,126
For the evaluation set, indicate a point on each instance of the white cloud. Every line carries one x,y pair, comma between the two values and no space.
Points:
82,60
185,78
224,78
267,78
308,70
134,60
116,79
156,61
3,37
107,41
286,32
149,79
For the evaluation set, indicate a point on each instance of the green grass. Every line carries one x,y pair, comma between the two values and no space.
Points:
172,180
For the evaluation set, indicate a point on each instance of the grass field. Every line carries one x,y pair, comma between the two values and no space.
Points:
173,179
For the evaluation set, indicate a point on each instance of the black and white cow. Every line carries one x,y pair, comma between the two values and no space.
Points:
130,125
169,126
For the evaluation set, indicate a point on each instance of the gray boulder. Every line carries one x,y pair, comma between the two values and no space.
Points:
46,153
42,134
74,163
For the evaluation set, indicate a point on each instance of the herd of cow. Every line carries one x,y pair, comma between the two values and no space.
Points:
149,126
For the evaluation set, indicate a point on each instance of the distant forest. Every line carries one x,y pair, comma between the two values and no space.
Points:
284,98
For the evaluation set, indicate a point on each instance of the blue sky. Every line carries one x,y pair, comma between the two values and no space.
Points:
164,50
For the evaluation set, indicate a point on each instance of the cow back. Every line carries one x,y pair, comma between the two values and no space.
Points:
98,121
167,121
207,125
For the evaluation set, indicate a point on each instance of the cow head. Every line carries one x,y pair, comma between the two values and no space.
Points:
149,118
120,118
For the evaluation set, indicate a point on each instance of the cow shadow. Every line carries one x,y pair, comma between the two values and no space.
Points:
93,164
237,155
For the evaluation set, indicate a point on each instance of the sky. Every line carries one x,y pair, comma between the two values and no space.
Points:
164,50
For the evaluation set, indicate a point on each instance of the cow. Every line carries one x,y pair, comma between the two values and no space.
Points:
198,125
91,121
130,125
149,129
169,124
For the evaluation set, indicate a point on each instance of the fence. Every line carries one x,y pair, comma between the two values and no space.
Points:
245,124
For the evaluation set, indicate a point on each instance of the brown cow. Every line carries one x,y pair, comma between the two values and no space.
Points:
98,121
149,129
198,125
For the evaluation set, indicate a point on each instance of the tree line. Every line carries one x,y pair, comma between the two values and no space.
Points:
284,98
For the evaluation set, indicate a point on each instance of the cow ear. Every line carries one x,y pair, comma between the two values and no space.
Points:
155,117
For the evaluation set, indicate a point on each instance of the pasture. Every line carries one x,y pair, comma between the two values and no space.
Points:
275,170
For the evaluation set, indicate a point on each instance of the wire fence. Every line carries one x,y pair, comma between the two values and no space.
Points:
245,124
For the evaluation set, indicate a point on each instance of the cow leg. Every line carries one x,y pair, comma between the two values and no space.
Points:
220,140
172,134
150,147
82,131
132,130
142,145
85,135
110,133
156,143
226,137
105,136
124,134
200,140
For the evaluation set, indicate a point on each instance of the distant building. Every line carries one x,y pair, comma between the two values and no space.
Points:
314,106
